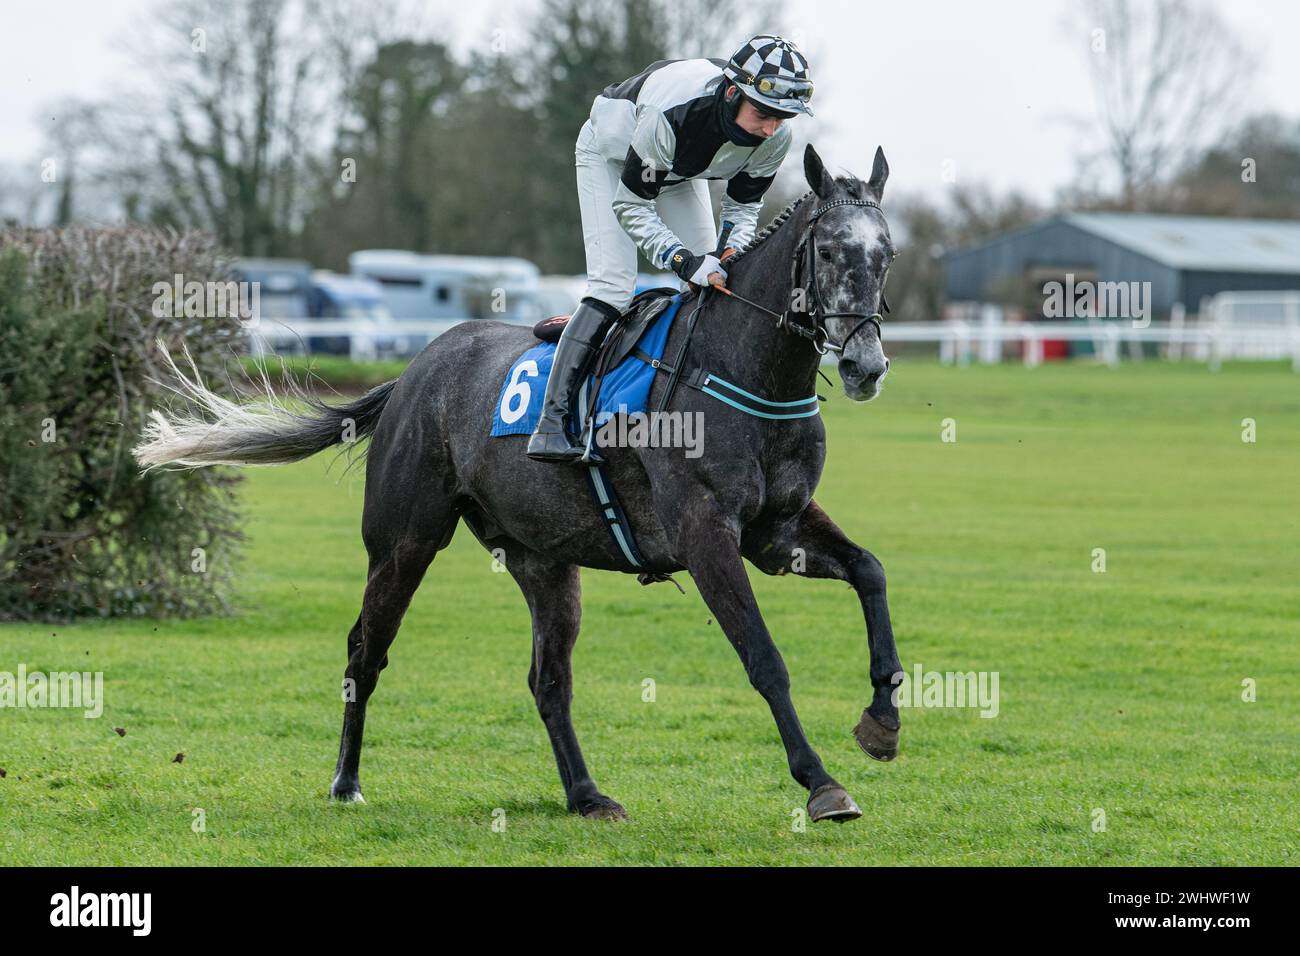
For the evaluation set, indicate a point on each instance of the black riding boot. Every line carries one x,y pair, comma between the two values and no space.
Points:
584,333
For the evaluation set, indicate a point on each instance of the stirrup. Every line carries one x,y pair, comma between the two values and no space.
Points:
588,445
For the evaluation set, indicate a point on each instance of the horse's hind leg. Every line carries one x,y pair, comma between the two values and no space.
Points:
401,538
554,596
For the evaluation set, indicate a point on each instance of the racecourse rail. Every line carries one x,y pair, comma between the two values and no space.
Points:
1236,325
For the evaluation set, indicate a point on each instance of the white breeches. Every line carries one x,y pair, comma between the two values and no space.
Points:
685,208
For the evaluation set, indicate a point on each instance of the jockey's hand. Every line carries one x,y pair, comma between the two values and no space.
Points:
719,280
697,270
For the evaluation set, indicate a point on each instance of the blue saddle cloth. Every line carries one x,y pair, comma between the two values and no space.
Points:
626,388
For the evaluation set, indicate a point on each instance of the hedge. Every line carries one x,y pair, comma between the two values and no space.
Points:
82,533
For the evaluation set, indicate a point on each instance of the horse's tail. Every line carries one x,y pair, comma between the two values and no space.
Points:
265,432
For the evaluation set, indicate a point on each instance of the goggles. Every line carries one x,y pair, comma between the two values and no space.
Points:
779,87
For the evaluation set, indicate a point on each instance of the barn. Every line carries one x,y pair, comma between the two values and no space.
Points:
1186,259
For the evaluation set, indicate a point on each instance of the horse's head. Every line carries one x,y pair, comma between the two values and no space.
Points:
853,253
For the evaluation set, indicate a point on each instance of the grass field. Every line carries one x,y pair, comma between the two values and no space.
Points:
1120,691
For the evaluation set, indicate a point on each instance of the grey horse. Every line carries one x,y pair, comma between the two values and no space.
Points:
431,464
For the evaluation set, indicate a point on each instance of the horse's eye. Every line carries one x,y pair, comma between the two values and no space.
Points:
824,254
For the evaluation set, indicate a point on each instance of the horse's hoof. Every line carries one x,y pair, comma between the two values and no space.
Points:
344,792
603,808
832,802
875,739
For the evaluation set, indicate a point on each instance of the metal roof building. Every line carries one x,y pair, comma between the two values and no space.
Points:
1185,258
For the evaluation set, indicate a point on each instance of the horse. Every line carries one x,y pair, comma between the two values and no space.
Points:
818,269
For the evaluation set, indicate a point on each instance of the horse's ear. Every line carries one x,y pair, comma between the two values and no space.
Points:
879,173
818,178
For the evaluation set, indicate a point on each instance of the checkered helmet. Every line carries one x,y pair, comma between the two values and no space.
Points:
773,73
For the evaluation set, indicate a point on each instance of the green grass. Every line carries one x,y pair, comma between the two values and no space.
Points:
325,371
1119,691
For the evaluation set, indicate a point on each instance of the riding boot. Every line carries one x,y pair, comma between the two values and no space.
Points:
582,336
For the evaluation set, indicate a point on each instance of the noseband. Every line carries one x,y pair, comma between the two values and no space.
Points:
803,267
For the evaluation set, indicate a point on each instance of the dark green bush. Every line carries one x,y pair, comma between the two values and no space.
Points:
82,533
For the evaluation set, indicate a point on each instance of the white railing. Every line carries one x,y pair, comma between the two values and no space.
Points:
367,338
1230,311
1223,333
958,340
1232,325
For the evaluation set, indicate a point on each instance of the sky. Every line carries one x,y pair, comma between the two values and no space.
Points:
954,91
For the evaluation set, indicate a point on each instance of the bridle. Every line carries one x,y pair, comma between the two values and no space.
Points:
804,263
803,266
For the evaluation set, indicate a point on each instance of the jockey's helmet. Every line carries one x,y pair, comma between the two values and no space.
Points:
772,73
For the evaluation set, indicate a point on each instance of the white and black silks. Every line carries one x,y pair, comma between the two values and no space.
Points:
673,122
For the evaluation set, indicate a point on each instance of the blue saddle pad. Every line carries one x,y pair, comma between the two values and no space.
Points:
625,389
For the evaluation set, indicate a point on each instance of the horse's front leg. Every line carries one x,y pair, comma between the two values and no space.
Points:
712,555
810,544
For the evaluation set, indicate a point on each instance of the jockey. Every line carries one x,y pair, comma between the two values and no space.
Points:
643,157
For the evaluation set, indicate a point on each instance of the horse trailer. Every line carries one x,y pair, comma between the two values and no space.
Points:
426,287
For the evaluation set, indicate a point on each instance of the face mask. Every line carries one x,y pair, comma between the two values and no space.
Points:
727,110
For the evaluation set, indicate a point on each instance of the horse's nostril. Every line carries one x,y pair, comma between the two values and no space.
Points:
857,375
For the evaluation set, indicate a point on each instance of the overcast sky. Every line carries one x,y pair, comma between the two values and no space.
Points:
991,87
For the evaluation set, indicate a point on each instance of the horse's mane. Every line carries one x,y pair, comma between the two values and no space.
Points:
850,183
770,228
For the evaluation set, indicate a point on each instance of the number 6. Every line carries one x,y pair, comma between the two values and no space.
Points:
515,400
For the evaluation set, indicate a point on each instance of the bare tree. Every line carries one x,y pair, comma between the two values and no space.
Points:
82,150
1166,75
235,108
19,197
704,28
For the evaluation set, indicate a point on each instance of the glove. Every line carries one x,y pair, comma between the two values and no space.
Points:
695,269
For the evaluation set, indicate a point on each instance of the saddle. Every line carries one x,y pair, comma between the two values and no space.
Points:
620,342
624,334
